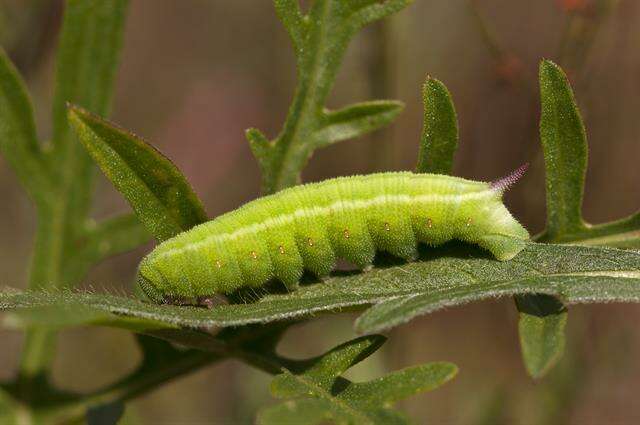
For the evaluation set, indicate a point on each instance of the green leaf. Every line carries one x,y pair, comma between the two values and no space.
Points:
329,366
356,120
74,313
296,24
321,394
308,411
86,64
454,274
114,235
156,190
87,60
320,39
399,385
624,233
541,327
105,239
439,140
564,143
18,140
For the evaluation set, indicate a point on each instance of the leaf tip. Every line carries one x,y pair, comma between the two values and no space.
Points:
547,66
258,142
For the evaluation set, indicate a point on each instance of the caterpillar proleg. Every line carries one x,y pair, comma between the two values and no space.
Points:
309,227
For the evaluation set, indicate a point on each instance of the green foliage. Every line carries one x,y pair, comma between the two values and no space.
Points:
58,175
18,140
319,40
451,275
58,178
439,139
541,321
319,394
541,327
153,186
564,143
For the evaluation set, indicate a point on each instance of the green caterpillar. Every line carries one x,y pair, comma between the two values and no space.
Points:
309,227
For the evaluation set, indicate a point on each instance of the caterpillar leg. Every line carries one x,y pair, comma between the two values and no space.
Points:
316,252
396,237
291,285
502,247
207,302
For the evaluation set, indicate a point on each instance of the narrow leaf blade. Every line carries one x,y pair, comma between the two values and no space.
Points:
373,10
291,17
357,120
18,139
400,384
541,327
158,193
564,143
87,59
439,140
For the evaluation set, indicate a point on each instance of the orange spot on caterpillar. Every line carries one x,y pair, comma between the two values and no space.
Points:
254,255
429,223
310,241
469,221
387,226
346,233
219,264
281,249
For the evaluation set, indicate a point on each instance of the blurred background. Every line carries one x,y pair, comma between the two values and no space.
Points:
196,73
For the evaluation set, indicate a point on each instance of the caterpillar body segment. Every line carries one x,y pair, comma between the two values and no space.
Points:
309,227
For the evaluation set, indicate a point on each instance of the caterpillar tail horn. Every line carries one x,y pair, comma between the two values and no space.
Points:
503,184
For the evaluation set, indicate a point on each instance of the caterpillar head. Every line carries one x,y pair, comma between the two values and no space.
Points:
144,289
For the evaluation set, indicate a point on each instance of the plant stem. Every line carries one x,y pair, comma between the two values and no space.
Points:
45,273
146,379
139,382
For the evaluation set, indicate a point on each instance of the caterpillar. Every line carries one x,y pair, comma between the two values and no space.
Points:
309,227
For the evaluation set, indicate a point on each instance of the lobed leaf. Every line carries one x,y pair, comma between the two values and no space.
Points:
321,394
454,274
439,140
159,194
325,369
320,39
356,120
86,61
399,385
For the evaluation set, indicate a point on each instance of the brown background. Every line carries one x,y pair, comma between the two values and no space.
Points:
196,73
